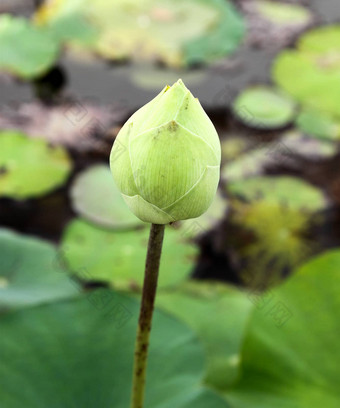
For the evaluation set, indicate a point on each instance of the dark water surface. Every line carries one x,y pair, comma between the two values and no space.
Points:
103,83
216,87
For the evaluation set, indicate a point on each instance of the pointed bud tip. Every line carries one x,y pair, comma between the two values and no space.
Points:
180,83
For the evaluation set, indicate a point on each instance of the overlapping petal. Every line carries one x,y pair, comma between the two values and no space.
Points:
166,158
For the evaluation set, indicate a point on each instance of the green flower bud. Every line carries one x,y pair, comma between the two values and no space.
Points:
166,158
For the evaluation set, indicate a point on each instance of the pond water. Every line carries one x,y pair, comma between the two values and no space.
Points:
130,87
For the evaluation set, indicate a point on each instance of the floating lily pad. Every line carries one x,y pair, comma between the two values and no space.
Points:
249,164
69,25
153,78
279,239
25,50
96,254
311,73
80,353
220,39
234,146
196,227
291,352
263,107
255,162
309,148
282,13
218,314
178,33
30,272
273,24
318,125
290,191
96,198
79,125
30,168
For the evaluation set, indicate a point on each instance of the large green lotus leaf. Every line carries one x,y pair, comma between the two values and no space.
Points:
319,125
218,314
264,107
290,191
176,32
283,14
30,167
118,257
25,50
311,74
79,353
30,272
95,197
291,353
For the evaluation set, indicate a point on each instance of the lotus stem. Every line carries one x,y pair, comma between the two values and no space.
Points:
146,313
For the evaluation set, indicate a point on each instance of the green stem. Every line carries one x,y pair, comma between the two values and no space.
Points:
146,311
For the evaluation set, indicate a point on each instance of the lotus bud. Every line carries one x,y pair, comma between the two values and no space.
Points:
166,158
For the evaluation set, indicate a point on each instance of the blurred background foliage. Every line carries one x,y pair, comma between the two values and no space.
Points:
248,303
